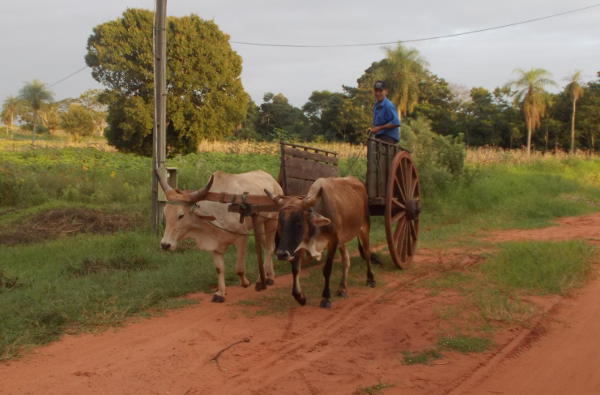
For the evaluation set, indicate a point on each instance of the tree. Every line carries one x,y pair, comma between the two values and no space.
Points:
10,111
576,92
205,96
589,113
35,94
335,116
278,119
403,70
530,86
78,121
50,116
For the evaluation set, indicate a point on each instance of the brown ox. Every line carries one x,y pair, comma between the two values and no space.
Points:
334,211
214,229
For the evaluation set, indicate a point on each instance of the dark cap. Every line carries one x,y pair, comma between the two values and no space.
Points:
379,85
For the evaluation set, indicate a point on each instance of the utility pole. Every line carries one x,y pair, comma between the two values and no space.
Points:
160,109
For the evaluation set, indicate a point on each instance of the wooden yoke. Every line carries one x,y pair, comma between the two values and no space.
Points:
245,204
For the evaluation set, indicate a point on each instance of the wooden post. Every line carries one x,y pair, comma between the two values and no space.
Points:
160,108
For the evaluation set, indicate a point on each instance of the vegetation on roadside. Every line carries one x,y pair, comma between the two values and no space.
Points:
373,389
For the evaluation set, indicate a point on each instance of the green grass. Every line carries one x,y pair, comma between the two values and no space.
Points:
421,357
504,196
541,267
86,282
373,389
464,344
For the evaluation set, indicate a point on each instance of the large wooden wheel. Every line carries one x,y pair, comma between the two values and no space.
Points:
402,208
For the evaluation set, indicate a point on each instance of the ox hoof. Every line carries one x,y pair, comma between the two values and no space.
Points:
371,283
325,303
218,298
246,284
270,281
301,299
260,286
342,293
375,260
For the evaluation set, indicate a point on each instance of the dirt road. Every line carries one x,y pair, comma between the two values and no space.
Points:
308,350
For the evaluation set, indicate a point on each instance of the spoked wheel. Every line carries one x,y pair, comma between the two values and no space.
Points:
402,208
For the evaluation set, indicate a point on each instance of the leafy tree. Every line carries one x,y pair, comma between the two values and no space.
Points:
589,113
49,116
11,108
278,119
35,94
205,96
78,121
403,70
530,87
335,116
575,91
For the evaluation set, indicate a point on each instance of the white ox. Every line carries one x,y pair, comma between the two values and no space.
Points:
214,229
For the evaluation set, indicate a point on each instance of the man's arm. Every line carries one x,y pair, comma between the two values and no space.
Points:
377,129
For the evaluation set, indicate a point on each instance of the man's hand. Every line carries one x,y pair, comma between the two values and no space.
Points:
375,129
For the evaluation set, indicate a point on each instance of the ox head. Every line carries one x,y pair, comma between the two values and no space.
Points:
297,225
180,213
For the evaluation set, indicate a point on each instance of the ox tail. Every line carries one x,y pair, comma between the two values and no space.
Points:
374,258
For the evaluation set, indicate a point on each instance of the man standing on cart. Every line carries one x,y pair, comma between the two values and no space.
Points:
386,124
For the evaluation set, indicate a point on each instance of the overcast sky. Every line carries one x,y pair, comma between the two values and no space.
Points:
46,39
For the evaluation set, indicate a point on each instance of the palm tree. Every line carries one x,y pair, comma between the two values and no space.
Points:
35,93
576,92
403,72
530,94
10,110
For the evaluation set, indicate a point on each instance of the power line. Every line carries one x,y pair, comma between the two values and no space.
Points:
68,76
377,44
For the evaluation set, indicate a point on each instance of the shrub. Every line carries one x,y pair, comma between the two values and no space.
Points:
439,159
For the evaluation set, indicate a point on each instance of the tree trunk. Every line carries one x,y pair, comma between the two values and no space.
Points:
528,139
573,126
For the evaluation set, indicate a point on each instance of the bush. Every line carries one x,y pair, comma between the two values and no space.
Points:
439,159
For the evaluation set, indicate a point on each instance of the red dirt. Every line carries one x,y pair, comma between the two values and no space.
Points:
308,350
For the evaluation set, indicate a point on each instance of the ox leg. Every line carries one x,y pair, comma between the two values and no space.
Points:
270,228
240,260
261,284
364,242
326,301
343,289
296,290
219,296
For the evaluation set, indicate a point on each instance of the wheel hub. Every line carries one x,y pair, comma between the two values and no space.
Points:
413,209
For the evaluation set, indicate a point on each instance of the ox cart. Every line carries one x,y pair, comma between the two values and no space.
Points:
392,183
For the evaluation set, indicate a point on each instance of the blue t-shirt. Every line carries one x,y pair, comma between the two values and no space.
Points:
384,112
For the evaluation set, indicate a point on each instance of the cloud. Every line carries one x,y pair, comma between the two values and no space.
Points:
46,40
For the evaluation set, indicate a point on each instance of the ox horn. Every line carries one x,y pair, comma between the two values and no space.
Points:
310,201
176,195
276,199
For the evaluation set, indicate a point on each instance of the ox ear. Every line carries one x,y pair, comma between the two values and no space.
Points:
199,214
318,220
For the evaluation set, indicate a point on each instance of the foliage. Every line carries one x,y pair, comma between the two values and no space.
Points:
531,95
205,97
11,109
279,120
336,117
78,121
35,95
439,159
